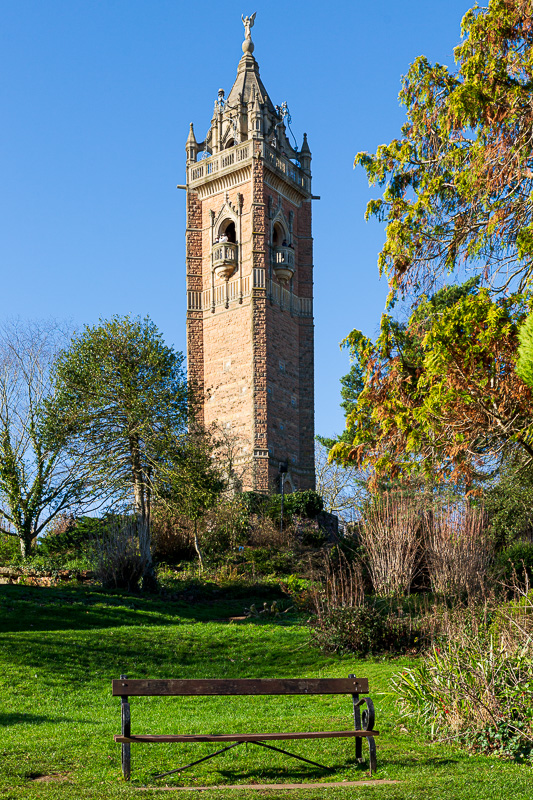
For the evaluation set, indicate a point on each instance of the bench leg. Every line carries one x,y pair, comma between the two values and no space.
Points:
357,725
126,731
364,722
126,761
372,754
369,720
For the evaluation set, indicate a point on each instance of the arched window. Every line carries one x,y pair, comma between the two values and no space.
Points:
279,237
229,143
228,229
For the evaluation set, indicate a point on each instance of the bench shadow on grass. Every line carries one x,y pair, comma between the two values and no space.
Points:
281,773
287,773
260,774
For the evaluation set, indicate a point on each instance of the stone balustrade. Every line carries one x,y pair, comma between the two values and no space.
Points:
239,288
225,259
283,262
219,162
284,256
240,153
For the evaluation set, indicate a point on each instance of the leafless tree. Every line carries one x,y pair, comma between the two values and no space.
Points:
340,487
36,482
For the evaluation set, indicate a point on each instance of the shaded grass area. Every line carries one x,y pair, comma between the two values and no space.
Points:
83,608
60,648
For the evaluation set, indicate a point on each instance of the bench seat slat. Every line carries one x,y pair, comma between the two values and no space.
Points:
244,737
248,686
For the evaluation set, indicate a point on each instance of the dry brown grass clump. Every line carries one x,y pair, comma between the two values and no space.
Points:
390,535
458,550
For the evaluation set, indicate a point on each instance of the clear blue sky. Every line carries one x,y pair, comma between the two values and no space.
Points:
96,99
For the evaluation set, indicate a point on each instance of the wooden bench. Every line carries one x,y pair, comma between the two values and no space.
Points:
363,717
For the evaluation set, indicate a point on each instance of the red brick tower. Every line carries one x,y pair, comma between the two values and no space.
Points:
250,283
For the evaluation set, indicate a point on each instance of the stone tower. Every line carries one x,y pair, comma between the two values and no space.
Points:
250,283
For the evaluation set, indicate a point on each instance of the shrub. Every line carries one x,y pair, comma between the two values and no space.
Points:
172,539
306,504
119,564
340,584
390,535
515,563
458,550
254,502
511,623
346,621
223,529
475,685
509,504
300,590
265,533
9,550
68,537
309,533
267,561
368,629
56,563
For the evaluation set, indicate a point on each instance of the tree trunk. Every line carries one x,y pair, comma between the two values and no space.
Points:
149,580
197,546
26,544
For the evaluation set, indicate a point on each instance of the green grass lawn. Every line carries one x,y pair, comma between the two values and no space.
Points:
60,648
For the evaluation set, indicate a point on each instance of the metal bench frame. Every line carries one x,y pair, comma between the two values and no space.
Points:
364,718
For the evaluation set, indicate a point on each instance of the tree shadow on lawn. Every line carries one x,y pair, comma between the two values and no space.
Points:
29,719
83,608
196,651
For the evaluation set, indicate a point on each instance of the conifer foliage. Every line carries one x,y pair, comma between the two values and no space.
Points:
459,181
440,392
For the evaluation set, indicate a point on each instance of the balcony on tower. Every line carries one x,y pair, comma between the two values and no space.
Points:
225,259
283,262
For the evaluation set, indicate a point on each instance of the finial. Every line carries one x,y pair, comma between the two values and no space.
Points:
191,139
191,145
248,22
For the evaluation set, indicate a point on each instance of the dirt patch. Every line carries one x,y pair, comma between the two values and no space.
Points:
53,777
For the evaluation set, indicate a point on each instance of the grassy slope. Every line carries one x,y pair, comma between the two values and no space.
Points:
59,650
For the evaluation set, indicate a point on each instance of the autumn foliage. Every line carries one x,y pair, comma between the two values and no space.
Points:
440,393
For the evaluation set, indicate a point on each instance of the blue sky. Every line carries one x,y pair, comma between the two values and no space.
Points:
96,99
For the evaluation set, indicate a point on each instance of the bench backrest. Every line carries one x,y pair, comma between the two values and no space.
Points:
246,686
